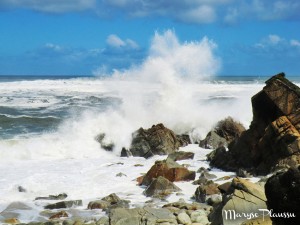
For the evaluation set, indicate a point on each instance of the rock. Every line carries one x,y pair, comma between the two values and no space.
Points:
109,202
241,196
206,173
137,216
53,197
283,195
158,140
160,187
104,142
64,204
183,218
181,155
181,204
225,132
205,190
199,216
103,221
59,215
21,189
259,221
14,210
125,152
12,221
273,139
169,170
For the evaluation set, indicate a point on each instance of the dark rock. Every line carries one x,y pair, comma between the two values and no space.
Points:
64,204
273,139
283,195
205,173
21,189
184,139
158,140
53,197
169,170
125,152
181,155
160,188
225,132
104,143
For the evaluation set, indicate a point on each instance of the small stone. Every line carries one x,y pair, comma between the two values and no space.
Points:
183,218
121,174
12,221
59,215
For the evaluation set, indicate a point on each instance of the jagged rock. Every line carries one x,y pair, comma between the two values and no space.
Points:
273,139
184,139
160,187
109,202
137,216
53,197
181,155
240,196
169,170
104,142
64,204
205,172
225,132
125,152
158,140
283,195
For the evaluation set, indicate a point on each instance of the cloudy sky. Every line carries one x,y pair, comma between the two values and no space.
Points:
79,37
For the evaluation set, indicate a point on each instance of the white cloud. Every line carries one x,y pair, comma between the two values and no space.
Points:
274,39
201,14
295,43
116,42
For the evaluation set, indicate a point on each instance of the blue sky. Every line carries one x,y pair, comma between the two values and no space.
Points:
77,37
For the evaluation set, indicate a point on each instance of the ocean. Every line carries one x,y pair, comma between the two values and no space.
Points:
48,126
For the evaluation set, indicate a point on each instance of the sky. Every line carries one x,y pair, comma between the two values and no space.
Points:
85,37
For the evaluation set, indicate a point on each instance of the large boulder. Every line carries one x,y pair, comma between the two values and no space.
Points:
283,196
224,132
273,139
240,199
157,140
170,170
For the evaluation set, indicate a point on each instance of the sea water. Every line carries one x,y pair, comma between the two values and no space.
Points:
49,124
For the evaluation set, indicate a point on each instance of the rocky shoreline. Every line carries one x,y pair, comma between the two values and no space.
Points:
270,148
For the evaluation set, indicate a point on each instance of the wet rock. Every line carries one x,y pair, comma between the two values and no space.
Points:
12,221
184,139
64,204
106,144
59,215
125,152
283,195
160,188
21,189
206,173
205,190
225,132
121,174
169,170
53,197
181,155
14,210
109,202
273,139
158,140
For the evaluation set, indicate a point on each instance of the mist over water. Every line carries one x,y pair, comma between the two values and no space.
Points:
174,86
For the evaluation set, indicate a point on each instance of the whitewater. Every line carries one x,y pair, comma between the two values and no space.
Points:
48,127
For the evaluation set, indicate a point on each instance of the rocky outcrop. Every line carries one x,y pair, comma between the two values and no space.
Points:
158,140
169,170
160,188
283,196
273,139
239,197
225,132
